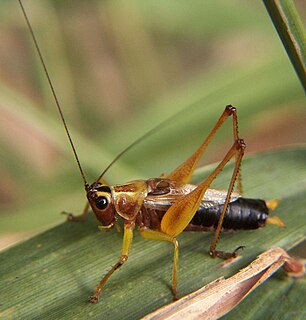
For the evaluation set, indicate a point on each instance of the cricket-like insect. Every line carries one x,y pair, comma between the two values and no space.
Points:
164,207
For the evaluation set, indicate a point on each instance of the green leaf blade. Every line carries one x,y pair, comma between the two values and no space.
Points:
291,31
53,274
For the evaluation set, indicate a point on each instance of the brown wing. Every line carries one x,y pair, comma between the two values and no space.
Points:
164,198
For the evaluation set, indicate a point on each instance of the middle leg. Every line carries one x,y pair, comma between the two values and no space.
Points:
160,236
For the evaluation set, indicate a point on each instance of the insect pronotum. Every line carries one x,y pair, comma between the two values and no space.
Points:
164,207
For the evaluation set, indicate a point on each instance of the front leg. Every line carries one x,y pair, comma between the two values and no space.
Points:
126,245
80,217
84,214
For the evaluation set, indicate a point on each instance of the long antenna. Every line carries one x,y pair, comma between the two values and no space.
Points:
137,141
147,134
53,91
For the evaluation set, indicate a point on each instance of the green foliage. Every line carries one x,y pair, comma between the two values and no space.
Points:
121,68
291,31
52,275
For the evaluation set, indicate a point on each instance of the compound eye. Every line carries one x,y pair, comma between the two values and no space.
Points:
101,203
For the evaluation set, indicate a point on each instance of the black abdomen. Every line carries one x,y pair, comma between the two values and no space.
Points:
243,213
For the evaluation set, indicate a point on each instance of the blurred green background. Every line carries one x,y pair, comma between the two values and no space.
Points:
120,68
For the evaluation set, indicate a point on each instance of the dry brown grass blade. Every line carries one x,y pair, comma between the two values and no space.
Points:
222,295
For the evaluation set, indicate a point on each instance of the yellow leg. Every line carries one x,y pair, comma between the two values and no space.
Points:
126,245
160,236
184,172
179,215
212,251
